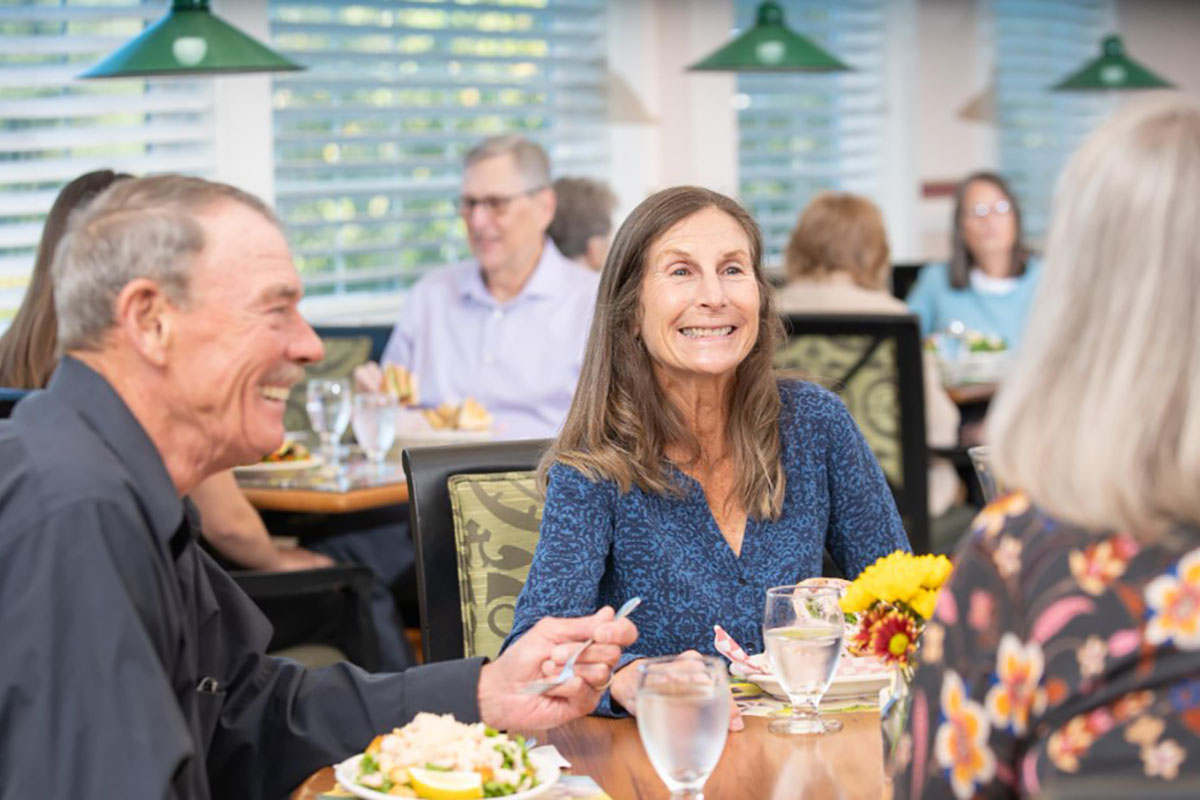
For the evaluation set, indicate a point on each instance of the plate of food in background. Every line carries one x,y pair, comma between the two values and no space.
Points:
467,421
292,456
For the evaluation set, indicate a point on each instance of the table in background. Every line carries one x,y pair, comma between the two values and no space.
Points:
757,764
350,484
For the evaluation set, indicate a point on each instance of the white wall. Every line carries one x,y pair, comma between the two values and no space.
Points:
669,126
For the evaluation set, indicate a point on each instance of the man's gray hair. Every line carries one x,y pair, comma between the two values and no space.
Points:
532,162
139,228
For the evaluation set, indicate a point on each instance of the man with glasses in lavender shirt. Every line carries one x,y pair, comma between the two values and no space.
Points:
507,327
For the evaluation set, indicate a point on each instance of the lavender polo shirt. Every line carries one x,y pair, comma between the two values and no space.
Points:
521,358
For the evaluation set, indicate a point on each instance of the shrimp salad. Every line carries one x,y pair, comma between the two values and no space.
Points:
437,749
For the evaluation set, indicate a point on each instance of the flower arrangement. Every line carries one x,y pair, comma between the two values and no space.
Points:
894,598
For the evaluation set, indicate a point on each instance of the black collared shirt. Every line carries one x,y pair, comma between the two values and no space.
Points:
130,664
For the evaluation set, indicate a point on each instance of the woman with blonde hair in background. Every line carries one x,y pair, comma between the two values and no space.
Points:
687,474
837,262
1066,646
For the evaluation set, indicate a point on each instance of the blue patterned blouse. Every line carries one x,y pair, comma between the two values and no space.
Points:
599,547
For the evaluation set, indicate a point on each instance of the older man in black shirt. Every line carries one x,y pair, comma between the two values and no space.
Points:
133,666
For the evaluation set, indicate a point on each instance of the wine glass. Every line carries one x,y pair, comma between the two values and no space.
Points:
328,405
374,422
683,719
803,628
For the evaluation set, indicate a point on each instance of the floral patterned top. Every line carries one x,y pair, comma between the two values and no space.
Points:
1057,654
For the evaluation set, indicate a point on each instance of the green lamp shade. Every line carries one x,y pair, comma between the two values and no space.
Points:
190,40
770,47
1112,70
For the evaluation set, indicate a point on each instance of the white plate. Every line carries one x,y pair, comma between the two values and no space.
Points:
279,466
442,436
842,685
547,775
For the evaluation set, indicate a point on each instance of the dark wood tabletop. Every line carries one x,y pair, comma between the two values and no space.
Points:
755,764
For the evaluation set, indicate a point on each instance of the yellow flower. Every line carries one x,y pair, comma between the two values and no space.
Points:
924,602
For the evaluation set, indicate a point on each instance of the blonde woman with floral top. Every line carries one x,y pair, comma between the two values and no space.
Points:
1064,654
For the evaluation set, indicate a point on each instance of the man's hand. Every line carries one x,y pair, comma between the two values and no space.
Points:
541,653
368,377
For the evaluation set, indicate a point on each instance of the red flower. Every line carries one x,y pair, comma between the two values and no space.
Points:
893,637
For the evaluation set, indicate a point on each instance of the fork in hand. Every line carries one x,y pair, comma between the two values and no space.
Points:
568,670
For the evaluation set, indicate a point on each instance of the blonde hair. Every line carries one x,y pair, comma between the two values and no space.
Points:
621,423
1100,420
839,232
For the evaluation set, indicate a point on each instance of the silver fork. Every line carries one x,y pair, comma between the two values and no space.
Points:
568,670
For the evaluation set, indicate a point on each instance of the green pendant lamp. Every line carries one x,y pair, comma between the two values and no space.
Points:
1112,70
190,40
770,47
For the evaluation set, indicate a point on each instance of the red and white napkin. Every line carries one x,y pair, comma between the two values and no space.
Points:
729,648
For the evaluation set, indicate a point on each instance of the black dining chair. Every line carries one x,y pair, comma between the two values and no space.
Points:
873,361
428,469
318,615
9,398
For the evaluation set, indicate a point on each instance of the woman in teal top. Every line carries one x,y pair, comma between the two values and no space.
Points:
989,283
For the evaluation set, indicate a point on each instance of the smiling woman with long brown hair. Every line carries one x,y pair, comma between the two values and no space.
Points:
686,473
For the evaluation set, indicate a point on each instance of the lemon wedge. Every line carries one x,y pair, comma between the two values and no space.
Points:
438,785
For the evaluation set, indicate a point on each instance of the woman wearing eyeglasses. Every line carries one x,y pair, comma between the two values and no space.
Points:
989,282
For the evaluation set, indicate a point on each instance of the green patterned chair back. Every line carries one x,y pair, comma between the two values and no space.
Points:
873,361
863,371
496,521
342,355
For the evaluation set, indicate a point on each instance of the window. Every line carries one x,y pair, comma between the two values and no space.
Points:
369,140
1038,43
801,133
54,127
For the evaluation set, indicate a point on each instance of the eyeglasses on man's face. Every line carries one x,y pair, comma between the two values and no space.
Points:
497,204
983,210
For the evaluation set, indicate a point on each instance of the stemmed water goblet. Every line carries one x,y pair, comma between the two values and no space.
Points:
803,629
683,719
374,421
328,404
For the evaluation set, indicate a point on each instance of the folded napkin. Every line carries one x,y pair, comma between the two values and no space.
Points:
729,648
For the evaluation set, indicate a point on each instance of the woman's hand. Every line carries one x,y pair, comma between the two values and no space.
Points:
624,691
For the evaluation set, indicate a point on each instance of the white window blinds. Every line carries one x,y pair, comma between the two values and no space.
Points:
800,133
369,140
1036,44
54,127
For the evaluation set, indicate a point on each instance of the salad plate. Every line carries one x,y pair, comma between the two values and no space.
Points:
855,677
266,467
546,768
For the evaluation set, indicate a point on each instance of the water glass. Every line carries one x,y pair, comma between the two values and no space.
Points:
981,459
328,405
803,629
374,421
683,719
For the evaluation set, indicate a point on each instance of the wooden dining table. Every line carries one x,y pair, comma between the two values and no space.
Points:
756,764
336,486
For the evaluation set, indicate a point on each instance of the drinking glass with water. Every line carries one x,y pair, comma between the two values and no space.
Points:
683,718
328,405
374,422
803,629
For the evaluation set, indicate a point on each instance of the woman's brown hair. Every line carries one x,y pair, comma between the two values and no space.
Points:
961,259
621,423
839,232
28,349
